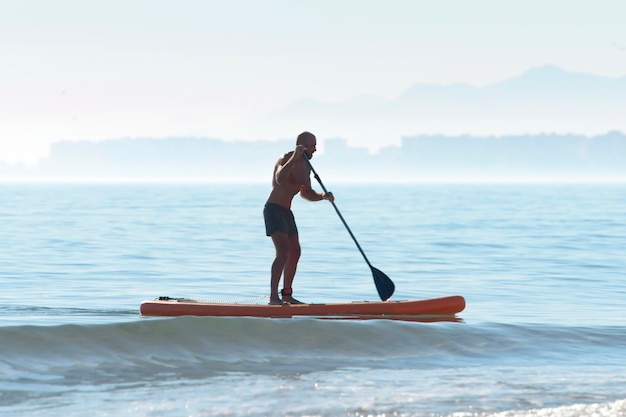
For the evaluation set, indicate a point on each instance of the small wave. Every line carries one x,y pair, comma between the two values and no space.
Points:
615,408
18,315
260,345
19,310
135,357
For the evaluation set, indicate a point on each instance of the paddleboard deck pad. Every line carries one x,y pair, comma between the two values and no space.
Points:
442,306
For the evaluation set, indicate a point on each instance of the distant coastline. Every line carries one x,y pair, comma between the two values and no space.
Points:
422,158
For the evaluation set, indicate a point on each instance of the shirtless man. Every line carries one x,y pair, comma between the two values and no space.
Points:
292,175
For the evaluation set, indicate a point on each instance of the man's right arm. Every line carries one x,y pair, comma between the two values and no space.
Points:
283,171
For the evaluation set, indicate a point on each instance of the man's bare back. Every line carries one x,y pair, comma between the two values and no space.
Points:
295,181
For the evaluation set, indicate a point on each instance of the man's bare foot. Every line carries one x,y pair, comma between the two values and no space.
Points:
287,299
275,301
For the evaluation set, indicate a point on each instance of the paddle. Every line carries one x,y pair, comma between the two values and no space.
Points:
384,285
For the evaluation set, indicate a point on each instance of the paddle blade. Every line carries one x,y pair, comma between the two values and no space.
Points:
384,285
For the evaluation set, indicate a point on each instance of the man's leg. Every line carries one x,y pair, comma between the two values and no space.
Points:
290,267
281,244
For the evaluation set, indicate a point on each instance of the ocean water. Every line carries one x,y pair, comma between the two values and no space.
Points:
541,266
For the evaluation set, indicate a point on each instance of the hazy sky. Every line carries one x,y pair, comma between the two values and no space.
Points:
88,70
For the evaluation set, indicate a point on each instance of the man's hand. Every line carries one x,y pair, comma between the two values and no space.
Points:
328,196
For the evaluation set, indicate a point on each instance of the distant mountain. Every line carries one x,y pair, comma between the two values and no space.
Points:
547,123
541,100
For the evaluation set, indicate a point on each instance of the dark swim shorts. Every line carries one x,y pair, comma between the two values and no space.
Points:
279,219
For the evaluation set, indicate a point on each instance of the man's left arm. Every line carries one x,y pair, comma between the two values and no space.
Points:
307,192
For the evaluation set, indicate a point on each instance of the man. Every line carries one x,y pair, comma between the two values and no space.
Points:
292,175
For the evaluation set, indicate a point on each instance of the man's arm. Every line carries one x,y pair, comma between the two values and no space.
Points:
283,171
307,192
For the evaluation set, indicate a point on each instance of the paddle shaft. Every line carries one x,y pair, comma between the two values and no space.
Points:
384,285
317,177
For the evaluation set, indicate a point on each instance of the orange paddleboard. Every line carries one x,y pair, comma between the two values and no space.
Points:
362,309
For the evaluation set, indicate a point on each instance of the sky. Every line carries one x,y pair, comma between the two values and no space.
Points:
93,70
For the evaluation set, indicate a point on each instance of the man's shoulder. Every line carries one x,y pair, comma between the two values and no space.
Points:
284,158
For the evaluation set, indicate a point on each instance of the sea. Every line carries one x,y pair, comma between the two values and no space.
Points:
542,267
